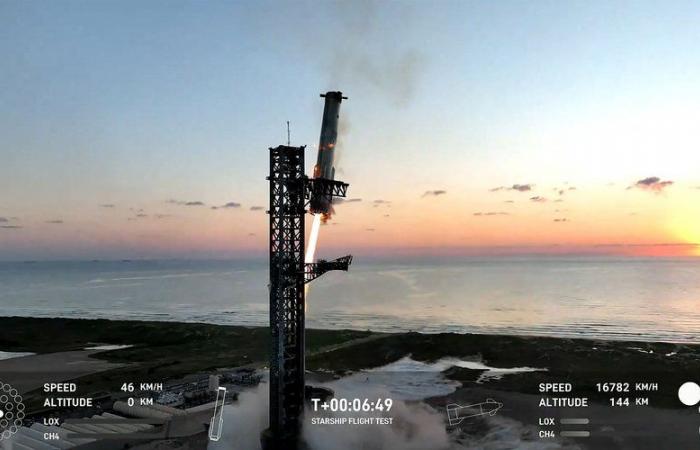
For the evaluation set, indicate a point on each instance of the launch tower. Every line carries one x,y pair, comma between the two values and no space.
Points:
290,193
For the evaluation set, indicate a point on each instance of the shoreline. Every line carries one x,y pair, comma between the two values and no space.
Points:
163,351
174,352
632,338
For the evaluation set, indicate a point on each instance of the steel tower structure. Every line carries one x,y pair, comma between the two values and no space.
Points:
290,193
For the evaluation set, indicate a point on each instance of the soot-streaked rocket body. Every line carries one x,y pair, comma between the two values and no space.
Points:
324,167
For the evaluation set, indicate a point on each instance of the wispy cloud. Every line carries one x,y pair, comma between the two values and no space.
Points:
229,205
564,190
3,220
107,205
562,220
256,208
338,201
55,221
515,187
492,213
653,184
434,193
184,203
369,229
538,199
381,202
11,227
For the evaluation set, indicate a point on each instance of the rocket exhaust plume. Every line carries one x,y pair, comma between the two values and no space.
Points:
324,167
311,249
313,240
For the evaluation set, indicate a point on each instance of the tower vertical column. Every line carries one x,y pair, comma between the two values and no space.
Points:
287,302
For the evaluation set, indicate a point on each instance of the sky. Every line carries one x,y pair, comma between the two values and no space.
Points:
140,129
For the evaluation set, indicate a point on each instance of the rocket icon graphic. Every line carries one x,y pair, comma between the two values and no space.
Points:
457,413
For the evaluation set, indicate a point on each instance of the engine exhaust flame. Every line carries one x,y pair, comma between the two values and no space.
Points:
311,249
313,239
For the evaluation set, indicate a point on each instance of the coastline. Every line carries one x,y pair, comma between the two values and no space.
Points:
471,366
162,351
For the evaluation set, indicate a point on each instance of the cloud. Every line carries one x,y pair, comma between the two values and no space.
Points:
228,205
11,227
184,203
162,216
256,208
56,221
653,184
434,193
369,229
251,234
515,187
380,202
141,215
338,201
3,220
492,213
563,190
387,215
562,220
107,205
538,199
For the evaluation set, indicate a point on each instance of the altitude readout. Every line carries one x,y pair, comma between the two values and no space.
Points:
352,405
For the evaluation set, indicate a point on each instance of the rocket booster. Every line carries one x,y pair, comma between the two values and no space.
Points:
326,148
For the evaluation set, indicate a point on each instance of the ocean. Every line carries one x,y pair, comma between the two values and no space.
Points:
590,297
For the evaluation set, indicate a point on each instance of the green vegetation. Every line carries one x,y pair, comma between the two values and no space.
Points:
161,350
579,361
164,350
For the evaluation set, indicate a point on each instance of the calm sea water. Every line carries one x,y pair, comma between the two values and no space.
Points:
641,299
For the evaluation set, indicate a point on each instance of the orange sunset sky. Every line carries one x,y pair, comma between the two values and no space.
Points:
474,129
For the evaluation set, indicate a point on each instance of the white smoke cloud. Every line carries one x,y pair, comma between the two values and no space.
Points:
244,420
416,426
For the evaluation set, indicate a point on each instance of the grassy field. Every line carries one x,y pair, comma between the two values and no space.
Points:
164,350
161,350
